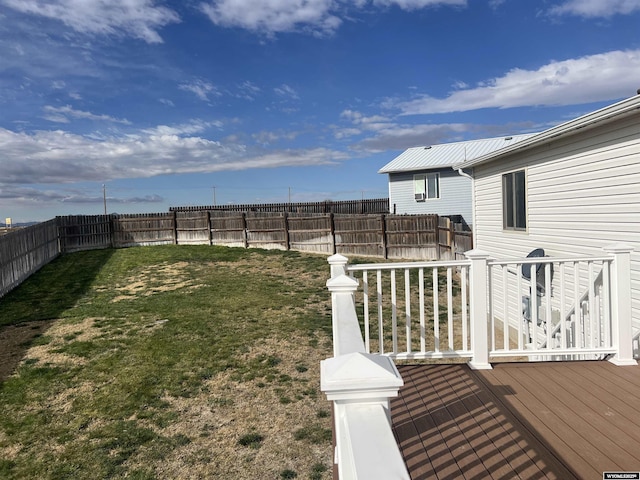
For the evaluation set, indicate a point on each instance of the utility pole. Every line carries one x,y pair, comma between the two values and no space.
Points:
214,196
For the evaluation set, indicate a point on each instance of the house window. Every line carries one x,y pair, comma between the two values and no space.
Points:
426,186
514,201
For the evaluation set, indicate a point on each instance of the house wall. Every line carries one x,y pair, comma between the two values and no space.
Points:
455,195
583,193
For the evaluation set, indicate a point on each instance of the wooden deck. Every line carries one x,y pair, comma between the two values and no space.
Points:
549,420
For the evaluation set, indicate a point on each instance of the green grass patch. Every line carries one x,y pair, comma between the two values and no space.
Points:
251,440
145,356
316,434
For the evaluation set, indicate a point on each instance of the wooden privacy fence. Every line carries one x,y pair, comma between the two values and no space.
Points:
381,235
24,251
369,205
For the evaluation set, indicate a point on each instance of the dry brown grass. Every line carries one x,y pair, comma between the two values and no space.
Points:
204,425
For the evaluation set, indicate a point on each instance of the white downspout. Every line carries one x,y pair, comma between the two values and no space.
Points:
473,202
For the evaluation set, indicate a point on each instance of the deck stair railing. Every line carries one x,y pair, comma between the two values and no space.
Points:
572,330
565,311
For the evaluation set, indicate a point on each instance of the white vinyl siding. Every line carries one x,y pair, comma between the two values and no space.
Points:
454,195
583,194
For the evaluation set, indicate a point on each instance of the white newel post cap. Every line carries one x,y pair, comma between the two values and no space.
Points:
476,254
342,283
337,259
359,377
618,248
338,264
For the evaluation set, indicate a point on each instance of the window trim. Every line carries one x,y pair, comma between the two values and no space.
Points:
515,210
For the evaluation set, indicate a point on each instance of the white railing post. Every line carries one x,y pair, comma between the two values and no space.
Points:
621,304
478,300
347,337
360,385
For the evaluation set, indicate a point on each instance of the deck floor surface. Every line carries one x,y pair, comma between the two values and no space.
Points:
548,420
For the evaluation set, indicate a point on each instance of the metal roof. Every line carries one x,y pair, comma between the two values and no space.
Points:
624,108
448,154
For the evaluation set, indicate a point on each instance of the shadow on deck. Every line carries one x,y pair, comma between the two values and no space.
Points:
550,420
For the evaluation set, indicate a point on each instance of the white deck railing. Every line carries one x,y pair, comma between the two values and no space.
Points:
475,309
424,310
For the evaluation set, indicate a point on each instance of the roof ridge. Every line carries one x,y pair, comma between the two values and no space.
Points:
486,139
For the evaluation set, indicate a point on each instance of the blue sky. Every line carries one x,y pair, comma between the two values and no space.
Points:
169,103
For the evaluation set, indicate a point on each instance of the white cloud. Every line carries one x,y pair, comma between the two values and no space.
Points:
320,17
201,88
272,16
400,137
63,115
596,8
386,134
285,90
417,4
248,90
133,18
29,196
265,138
190,128
374,122
60,157
593,78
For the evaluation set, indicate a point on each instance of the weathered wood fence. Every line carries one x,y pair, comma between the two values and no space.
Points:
25,250
417,237
369,205
380,235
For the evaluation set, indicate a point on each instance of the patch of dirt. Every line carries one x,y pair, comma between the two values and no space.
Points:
59,332
215,420
15,340
156,279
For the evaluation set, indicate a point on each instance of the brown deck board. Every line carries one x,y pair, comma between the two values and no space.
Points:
548,420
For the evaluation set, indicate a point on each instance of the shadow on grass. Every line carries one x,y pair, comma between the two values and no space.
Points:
29,310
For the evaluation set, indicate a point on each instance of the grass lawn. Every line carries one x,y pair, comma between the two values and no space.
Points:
167,362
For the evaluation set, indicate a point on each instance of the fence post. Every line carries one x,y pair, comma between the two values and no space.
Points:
245,233
285,220
383,226
209,227
437,236
478,301
332,234
111,228
174,220
622,331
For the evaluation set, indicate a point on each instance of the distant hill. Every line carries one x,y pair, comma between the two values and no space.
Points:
18,225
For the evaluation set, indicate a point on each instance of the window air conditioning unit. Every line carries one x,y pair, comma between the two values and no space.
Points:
420,197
